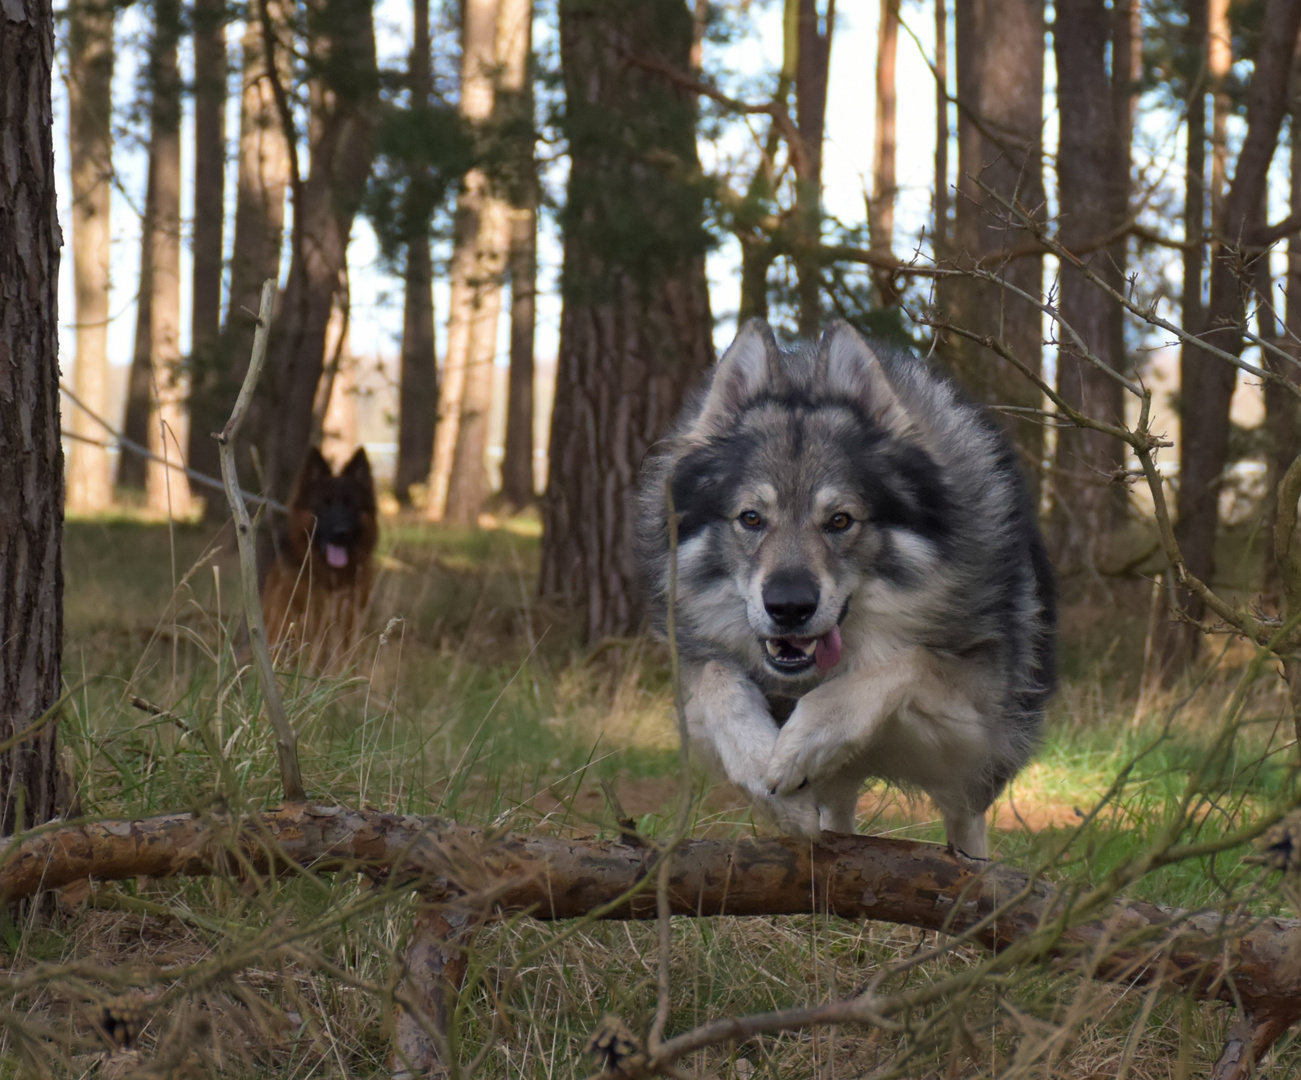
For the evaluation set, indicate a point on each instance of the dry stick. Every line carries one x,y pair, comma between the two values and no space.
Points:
286,741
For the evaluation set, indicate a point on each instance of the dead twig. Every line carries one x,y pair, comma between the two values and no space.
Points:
286,740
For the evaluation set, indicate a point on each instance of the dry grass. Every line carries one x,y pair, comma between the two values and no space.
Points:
471,699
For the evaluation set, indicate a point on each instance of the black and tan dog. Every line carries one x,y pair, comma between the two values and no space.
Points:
316,592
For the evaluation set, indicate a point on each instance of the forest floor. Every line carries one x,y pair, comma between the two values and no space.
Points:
471,699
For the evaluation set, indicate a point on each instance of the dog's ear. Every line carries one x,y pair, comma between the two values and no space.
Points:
315,471
751,365
358,467
357,473
848,368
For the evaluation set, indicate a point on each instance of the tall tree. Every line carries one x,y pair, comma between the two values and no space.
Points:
635,328
880,218
31,482
343,92
478,260
90,80
813,65
418,378
1000,50
940,222
140,379
167,491
206,364
1207,380
467,487
1093,202
1281,414
515,111
263,179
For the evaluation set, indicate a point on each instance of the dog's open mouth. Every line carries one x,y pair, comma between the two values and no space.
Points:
336,555
795,655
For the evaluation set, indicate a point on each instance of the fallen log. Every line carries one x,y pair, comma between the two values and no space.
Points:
1253,961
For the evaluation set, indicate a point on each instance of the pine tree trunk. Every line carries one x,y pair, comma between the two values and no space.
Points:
459,479
31,483
418,380
1207,381
474,286
418,392
515,106
167,491
517,484
90,78
206,402
1281,412
468,484
1093,174
812,69
635,329
1000,48
259,202
940,224
140,380
342,145
881,216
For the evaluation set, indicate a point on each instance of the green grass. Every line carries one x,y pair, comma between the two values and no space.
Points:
474,700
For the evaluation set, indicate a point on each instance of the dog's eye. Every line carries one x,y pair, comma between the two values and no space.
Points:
751,519
839,522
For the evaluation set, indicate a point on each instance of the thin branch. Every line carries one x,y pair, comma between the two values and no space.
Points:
286,740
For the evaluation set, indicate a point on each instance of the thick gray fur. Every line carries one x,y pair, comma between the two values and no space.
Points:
939,588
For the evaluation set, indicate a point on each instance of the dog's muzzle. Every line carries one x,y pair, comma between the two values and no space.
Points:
791,599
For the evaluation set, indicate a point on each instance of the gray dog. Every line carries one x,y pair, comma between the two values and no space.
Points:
862,589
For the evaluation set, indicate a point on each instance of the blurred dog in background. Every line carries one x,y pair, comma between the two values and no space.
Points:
316,592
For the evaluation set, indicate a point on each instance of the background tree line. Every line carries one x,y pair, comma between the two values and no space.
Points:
626,94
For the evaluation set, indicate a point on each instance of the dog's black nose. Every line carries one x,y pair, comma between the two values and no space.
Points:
790,597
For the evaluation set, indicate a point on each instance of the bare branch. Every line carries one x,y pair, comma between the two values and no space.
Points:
286,740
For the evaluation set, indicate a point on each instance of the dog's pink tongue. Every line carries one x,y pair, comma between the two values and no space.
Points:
826,654
337,556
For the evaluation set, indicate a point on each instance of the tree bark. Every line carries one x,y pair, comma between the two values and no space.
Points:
515,106
1219,61
1093,194
418,379
90,98
880,218
813,64
475,288
1228,957
1000,51
635,328
1207,381
140,393
167,491
467,487
418,389
259,204
941,226
31,481
206,364
1281,413
342,40
459,480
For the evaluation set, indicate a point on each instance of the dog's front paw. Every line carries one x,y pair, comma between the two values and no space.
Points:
795,815
797,761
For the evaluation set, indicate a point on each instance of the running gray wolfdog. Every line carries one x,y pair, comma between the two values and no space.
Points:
862,589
